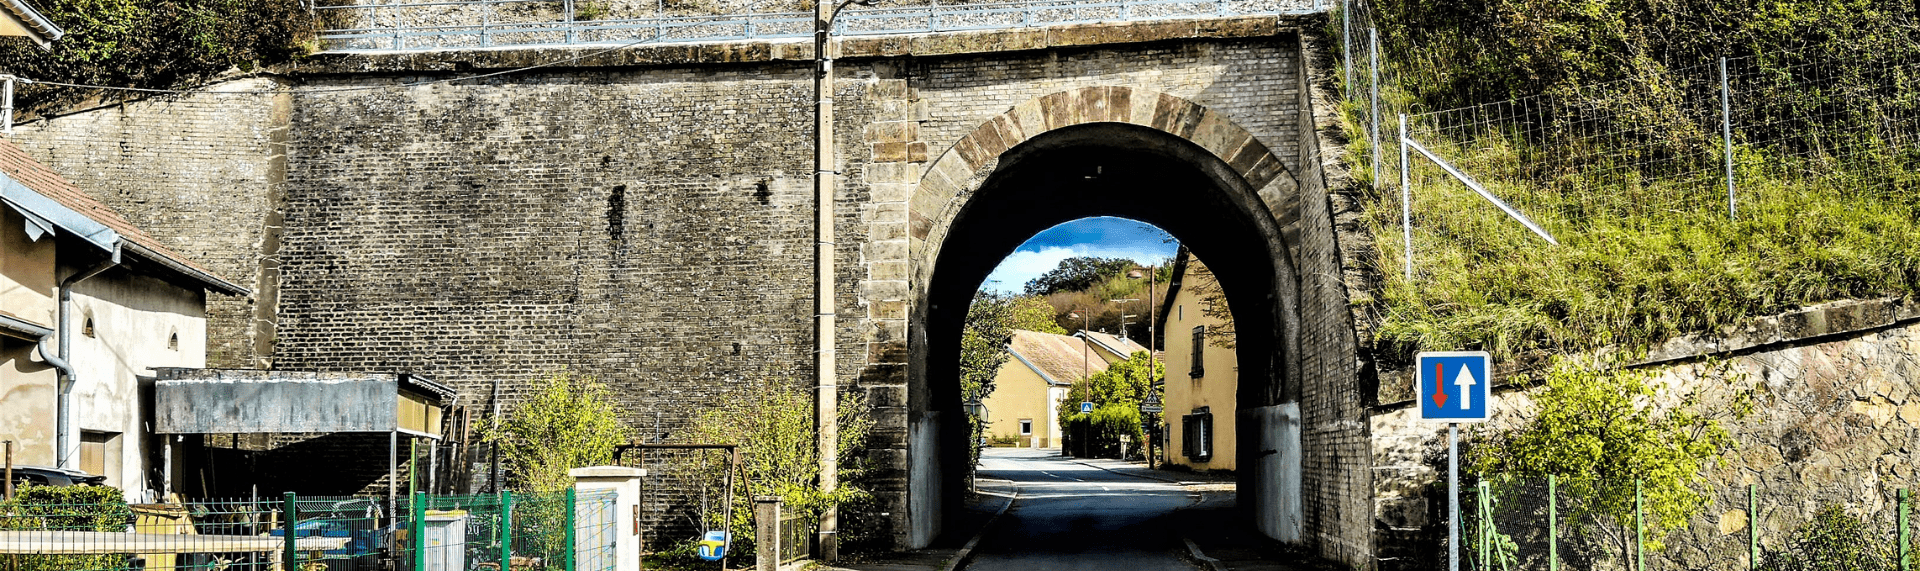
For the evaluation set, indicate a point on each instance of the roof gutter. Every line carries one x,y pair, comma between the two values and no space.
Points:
211,281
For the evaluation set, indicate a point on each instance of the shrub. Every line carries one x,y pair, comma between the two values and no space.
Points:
66,508
1833,541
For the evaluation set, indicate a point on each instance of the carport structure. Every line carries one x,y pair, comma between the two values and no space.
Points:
255,401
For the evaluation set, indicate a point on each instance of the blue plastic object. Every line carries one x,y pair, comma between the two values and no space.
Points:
713,546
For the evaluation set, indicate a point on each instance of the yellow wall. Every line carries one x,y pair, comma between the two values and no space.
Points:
1019,393
1216,388
26,384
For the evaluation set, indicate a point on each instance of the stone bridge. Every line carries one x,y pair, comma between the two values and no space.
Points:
644,215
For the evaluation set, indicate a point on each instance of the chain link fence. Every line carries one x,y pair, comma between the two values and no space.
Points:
1536,525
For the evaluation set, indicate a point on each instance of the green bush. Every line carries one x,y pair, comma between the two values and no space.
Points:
774,427
65,508
1833,541
154,44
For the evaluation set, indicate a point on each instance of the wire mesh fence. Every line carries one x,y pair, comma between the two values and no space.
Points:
1684,140
558,531
1530,525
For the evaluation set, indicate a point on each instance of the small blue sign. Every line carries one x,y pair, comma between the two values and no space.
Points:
1455,386
1086,407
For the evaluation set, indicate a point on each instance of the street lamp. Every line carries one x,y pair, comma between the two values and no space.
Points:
1086,367
827,401
977,412
1151,406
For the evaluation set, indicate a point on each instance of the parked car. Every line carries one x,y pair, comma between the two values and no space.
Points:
45,476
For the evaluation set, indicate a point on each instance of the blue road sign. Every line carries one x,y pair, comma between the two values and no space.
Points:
1086,407
1455,386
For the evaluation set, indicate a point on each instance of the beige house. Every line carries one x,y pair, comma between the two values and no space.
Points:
1030,386
1202,377
89,305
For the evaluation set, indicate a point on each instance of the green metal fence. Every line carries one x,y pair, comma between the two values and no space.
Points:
563,531
1538,526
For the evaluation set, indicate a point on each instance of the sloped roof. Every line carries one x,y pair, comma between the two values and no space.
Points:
37,27
44,195
1061,359
1115,344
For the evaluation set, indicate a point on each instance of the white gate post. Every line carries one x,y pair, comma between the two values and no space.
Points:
625,482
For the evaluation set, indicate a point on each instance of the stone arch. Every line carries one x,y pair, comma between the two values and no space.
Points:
959,170
1248,179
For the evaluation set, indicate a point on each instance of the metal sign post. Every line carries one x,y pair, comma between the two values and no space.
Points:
1455,387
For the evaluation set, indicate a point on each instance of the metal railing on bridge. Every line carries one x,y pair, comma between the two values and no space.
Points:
533,23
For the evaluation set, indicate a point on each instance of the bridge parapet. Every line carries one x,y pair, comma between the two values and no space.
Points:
484,24
800,50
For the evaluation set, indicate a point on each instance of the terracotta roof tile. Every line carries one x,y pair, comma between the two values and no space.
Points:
21,167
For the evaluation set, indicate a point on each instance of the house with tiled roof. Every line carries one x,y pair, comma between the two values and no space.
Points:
1202,372
1029,387
89,306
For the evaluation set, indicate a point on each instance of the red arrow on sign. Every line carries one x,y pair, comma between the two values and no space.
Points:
1439,387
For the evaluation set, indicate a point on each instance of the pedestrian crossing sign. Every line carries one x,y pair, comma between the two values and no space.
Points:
1454,386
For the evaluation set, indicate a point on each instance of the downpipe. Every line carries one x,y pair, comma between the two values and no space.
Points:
60,359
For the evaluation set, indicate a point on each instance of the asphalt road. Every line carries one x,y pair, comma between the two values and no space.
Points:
1071,516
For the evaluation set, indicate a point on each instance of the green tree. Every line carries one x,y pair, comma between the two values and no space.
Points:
570,423
1033,313
1116,394
1077,273
774,427
983,344
155,44
1600,429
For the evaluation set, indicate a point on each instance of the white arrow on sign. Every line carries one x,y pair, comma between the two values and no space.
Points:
1464,380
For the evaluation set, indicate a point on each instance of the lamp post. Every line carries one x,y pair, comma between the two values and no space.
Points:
1153,381
827,402
1086,366
978,413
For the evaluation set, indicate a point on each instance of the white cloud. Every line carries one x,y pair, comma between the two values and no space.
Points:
1018,268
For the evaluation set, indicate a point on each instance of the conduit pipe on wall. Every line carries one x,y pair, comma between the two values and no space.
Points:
61,361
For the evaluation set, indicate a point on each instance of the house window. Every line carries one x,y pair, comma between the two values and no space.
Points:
86,326
173,341
1181,312
1197,434
1199,344
1026,427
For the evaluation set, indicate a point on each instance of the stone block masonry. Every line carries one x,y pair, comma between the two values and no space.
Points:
645,216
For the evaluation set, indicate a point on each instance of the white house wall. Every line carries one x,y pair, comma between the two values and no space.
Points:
133,316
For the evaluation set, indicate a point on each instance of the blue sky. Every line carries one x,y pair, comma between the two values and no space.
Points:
1105,237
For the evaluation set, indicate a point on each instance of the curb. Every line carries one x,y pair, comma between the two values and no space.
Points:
1194,551
966,551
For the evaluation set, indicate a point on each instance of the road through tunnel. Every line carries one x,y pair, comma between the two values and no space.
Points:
1129,171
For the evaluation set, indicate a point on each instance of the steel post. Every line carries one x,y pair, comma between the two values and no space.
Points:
290,554
572,550
418,527
1453,491
1373,118
506,530
1726,134
1553,523
1406,201
1753,527
1906,530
